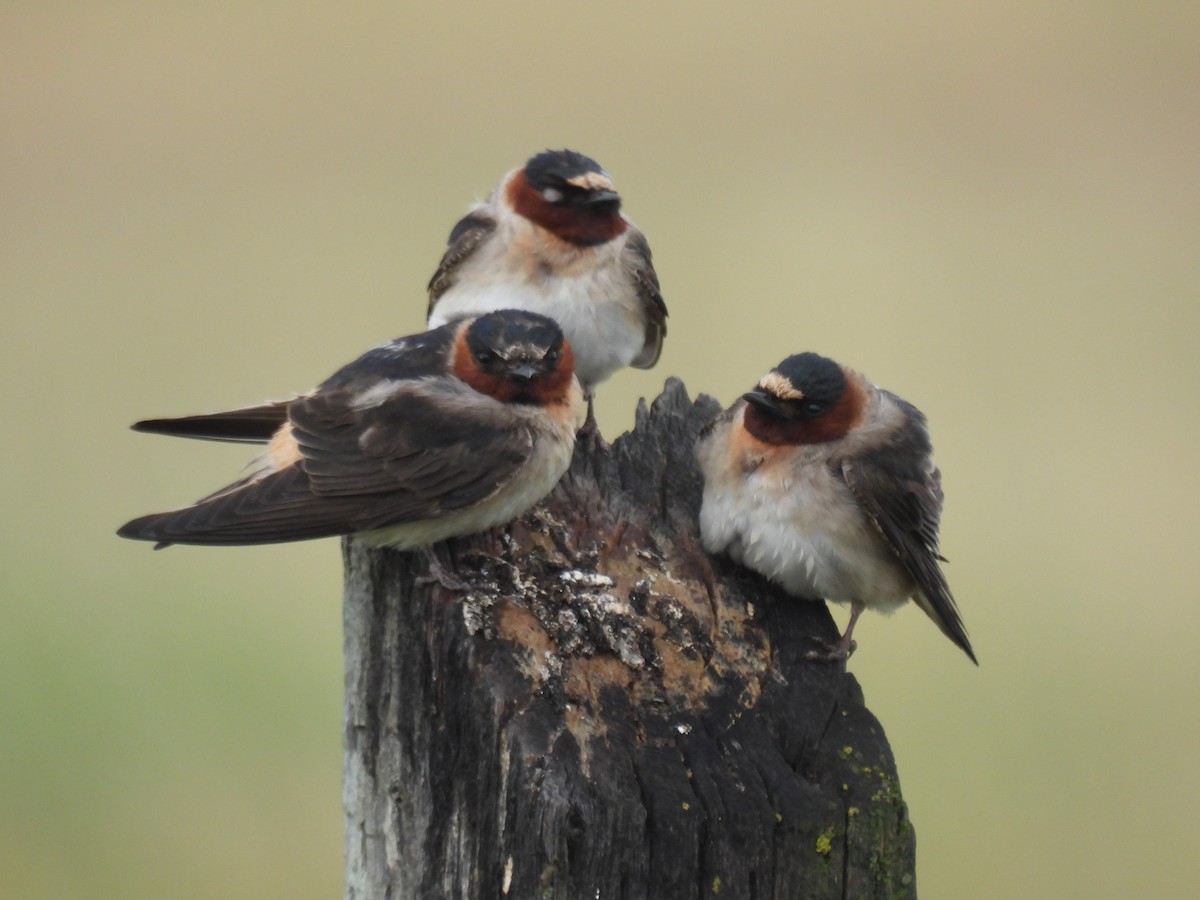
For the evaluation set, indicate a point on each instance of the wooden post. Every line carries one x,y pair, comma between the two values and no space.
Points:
606,711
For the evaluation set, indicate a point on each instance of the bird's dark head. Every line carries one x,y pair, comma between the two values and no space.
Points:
570,196
806,399
515,356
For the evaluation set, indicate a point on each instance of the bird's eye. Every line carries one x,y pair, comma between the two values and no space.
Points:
552,195
813,408
553,356
572,195
484,356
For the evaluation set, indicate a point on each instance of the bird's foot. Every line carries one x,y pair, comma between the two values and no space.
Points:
840,650
590,438
837,652
589,433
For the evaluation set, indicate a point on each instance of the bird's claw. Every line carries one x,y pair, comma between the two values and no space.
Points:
837,652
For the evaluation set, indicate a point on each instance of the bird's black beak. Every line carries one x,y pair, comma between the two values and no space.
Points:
603,201
766,401
523,372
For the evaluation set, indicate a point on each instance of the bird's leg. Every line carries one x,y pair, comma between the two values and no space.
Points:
590,430
589,424
840,650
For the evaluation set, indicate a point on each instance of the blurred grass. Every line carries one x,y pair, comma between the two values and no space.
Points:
993,212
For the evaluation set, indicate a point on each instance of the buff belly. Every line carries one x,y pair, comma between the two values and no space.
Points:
814,542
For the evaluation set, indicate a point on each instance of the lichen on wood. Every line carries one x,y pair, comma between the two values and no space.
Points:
603,710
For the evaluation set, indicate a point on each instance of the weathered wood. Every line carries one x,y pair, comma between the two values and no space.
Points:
606,711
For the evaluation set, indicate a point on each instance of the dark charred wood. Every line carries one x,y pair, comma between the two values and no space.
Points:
602,710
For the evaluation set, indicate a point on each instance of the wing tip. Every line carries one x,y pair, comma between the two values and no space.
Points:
954,629
943,611
143,529
134,530
966,648
249,425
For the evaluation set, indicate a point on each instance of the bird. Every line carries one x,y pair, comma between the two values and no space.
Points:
551,238
825,484
439,434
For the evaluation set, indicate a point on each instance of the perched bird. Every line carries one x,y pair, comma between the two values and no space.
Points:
551,239
826,485
439,434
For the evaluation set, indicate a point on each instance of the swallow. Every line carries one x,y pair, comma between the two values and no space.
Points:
439,434
551,238
826,485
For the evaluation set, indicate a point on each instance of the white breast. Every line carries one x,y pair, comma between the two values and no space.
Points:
588,292
604,333
797,524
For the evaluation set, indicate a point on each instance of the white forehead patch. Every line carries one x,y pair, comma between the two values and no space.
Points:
775,384
592,181
522,351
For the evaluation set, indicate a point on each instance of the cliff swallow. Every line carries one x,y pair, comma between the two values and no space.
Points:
440,434
826,485
551,238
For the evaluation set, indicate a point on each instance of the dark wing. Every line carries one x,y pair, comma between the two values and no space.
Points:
416,356
267,510
464,238
422,355
653,306
251,425
408,456
401,461
899,489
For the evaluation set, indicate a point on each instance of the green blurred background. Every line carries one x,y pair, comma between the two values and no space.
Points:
993,210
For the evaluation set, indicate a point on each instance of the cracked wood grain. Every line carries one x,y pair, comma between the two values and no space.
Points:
605,711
